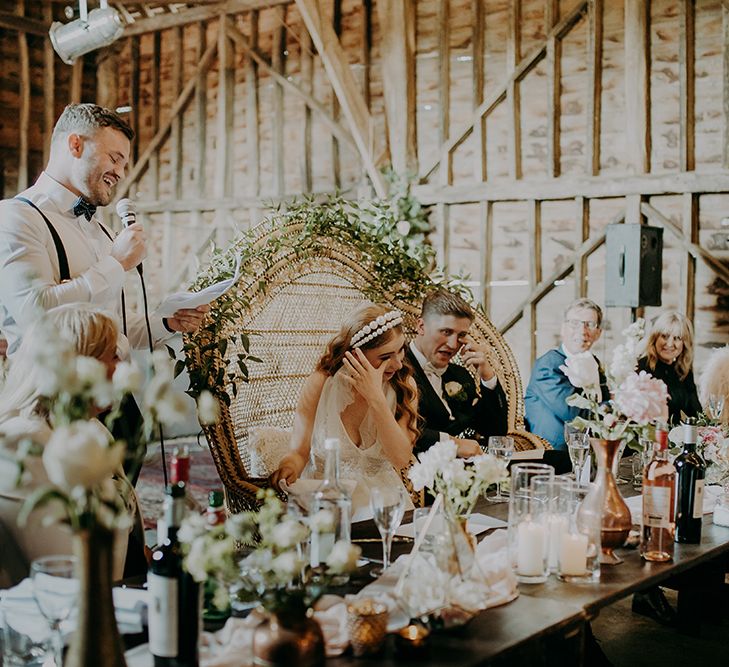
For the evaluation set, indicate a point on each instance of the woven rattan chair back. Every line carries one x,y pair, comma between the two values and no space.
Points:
296,306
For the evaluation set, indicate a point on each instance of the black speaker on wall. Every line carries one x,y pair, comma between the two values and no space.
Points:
633,272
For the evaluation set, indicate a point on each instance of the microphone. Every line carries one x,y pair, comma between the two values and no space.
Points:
125,210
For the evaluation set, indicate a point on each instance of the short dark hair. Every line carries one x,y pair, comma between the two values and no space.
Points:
587,304
90,117
443,302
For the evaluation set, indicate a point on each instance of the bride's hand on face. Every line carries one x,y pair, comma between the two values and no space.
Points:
363,376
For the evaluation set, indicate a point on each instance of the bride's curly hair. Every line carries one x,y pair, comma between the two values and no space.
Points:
333,357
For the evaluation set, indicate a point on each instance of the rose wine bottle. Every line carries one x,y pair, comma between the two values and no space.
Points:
657,519
689,499
175,598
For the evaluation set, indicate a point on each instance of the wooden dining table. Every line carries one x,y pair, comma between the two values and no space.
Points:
548,623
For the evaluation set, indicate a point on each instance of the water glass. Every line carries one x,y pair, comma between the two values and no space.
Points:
27,641
388,507
579,544
550,490
528,529
502,447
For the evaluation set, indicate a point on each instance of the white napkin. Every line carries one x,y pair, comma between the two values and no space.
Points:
711,494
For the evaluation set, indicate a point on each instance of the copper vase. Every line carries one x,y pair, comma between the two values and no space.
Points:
96,640
605,499
288,638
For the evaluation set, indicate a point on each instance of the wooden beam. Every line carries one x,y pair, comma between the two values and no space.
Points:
444,75
513,101
201,113
571,187
487,211
195,14
24,102
241,41
107,77
366,46
594,89
224,123
49,86
253,163
278,63
155,107
77,80
163,131
696,250
307,84
690,228
333,8
499,93
686,78
134,71
477,47
397,21
725,83
342,80
22,24
554,69
535,271
583,220
177,39
637,94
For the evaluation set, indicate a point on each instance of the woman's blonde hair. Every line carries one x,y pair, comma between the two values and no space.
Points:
93,333
402,382
672,323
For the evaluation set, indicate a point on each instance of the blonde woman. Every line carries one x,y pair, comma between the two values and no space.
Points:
363,393
22,417
669,356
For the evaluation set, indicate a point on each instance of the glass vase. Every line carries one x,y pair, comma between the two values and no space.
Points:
604,498
96,640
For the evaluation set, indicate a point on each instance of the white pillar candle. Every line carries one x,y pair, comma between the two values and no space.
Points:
531,549
557,527
573,554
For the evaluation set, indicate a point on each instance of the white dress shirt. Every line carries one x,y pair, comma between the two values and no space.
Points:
29,270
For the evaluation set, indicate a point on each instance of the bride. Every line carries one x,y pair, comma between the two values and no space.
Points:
362,392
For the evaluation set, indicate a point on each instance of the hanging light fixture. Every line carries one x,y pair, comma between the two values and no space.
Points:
91,30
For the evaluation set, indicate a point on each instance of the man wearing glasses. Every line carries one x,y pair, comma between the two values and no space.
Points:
548,389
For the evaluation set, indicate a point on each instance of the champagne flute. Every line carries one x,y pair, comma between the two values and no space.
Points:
578,448
716,406
55,590
502,447
388,508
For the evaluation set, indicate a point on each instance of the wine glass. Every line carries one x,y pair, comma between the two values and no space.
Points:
388,508
578,448
716,406
502,447
55,590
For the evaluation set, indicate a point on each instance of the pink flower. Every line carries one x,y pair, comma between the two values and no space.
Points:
642,398
710,435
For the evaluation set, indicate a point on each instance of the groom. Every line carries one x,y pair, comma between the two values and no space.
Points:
449,401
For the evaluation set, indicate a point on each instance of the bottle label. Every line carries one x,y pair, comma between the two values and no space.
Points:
699,499
164,597
656,506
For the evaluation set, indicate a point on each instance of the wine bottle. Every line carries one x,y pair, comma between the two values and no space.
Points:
689,498
657,519
179,474
332,497
174,609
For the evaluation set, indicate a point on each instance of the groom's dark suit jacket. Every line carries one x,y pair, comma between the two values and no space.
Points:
487,415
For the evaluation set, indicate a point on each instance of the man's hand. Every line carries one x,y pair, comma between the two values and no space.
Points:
129,248
474,355
467,448
187,320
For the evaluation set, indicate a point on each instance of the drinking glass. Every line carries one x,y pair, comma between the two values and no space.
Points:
388,508
502,447
578,447
24,641
578,549
55,591
715,406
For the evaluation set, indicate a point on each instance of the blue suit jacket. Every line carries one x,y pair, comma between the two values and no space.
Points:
546,398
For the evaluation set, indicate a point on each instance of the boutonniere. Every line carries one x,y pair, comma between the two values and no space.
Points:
455,391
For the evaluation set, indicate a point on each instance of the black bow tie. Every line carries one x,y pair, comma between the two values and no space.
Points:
82,208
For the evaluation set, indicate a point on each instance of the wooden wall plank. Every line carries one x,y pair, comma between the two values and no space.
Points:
477,51
554,68
593,108
201,113
49,85
583,220
77,79
224,118
444,71
24,102
253,162
513,102
155,102
686,78
278,60
637,113
134,94
307,85
535,271
725,82
176,37
487,209
690,227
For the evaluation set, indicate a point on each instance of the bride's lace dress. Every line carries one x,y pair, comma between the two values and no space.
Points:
366,464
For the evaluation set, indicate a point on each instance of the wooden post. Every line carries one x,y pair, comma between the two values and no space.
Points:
335,10
690,228
637,111
307,84
176,129
487,255
594,90
513,55
479,128
201,113
580,270
49,85
253,161
725,83
278,62
686,77
223,148
155,86
134,94
77,80
24,102
444,71
554,68
535,272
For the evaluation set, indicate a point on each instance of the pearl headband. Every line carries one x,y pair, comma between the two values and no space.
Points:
376,328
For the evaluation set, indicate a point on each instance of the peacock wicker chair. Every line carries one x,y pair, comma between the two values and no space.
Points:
293,306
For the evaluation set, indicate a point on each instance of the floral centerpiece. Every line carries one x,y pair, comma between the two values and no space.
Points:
636,401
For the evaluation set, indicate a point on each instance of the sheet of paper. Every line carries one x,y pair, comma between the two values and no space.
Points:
477,524
528,455
179,300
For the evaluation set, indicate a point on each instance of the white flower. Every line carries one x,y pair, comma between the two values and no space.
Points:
196,561
624,363
582,370
163,365
171,407
610,420
127,377
288,533
322,522
81,454
452,388
208,409
343,557
286,565
90,371
193,526
403,227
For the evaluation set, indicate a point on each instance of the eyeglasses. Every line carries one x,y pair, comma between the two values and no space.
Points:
579,324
